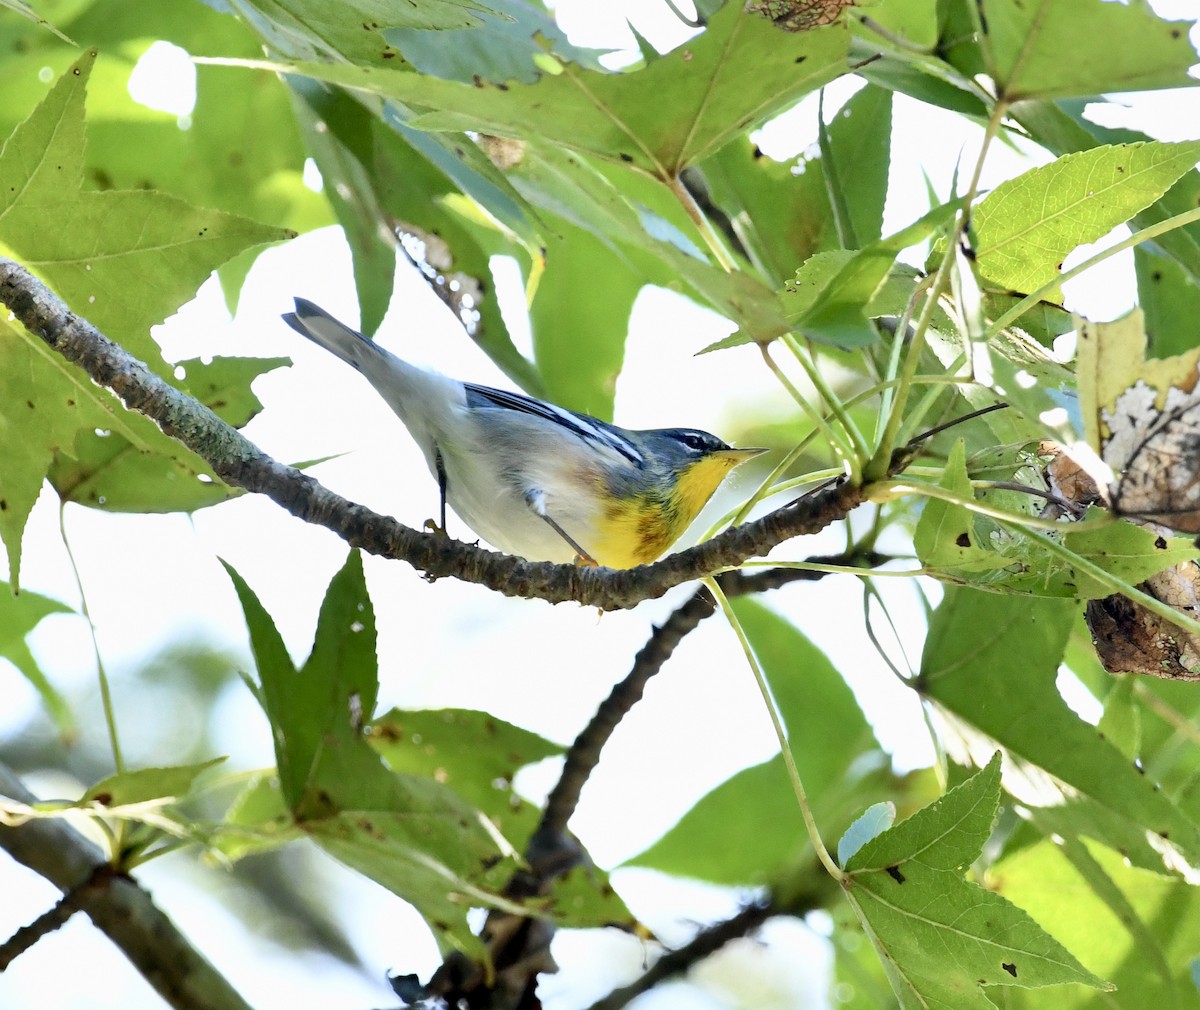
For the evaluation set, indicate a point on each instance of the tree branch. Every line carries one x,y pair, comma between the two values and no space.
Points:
519,946
118,906
53,918
674,962
584,754
240,463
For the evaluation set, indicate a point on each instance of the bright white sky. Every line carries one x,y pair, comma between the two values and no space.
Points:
453,644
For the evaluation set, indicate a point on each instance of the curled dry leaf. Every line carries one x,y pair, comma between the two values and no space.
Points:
1131,639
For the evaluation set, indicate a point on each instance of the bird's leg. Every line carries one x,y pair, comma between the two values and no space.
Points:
440,466
536,500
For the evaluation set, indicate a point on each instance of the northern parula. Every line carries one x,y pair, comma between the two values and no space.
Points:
531,478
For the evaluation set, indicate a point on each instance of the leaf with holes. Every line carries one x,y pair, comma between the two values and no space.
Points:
659,119
1024,228
1055,48
409,833
992,661
942,938
128,259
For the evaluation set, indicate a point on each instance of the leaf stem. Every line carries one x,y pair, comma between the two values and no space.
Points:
1163,610
818,566
777,722
837,440
833,188
880,462
703,225
894,358
102,676
1180,723
836,407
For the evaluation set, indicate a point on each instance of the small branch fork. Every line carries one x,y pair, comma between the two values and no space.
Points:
56,917
117,905
240,463
520,946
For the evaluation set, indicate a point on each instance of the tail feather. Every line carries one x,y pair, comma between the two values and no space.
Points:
431,406
313,322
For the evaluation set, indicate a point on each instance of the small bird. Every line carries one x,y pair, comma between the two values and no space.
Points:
531,478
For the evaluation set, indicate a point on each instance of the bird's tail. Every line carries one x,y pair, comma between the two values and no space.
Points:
320,327
429,404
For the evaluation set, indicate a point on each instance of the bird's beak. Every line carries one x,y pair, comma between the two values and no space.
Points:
736,456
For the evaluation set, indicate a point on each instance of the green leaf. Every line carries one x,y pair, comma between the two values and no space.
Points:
735,812
581,373
22,8
913,20
949,834
1121,722
474,753
781,212
238,150
1170,299
328,119
1043,322
838,315
1063,128
516,43
961,546
859,976
660,119
20,613
1169,752
1055,48
754,813
992,661
1083,817
45,403
129,259
143,785
427,853
257,821
643,223
320,709
351,30
812,278
223,384
1026,226
373,172
1140,930
408,833
946,539
942,939
108,471
875,820
583,898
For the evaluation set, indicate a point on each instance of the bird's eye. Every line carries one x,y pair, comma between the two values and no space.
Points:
692,441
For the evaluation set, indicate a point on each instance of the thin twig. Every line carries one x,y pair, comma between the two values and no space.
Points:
675,962
520,944
120,908
240,463
711,939
584,753
53,918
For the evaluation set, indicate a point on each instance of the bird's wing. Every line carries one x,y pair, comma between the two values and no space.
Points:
590,429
